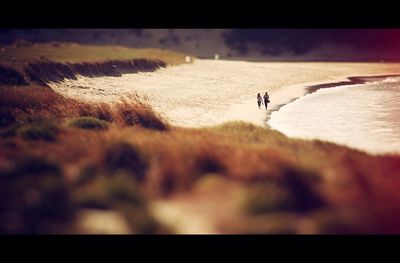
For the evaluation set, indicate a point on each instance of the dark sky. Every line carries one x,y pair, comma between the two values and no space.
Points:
263,44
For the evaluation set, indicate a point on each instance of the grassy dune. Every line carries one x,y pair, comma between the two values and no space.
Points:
24,63
20,53
135,159
67,166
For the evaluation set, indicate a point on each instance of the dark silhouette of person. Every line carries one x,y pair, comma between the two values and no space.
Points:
266,100
259,100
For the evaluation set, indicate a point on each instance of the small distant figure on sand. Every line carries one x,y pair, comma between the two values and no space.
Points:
259,100
266,100
216,56
187,59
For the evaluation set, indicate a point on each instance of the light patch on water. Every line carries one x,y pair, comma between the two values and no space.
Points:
364,116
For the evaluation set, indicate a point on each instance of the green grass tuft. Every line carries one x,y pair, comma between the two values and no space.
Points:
89,123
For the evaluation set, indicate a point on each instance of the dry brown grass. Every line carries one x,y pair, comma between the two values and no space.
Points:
308,179
28,63
18,56
43,102
133,110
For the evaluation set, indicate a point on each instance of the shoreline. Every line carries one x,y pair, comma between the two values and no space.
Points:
208,92
312,87
368,135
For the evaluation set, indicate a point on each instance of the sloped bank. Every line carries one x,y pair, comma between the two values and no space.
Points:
44,72
9,76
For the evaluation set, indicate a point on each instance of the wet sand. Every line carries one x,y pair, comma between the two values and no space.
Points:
361,113
210,92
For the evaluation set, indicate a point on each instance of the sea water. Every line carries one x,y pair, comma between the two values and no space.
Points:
363,116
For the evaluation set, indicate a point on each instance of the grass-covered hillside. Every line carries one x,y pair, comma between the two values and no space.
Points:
25,63
68,166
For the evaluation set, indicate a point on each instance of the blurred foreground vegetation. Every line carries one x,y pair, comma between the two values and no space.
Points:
72,167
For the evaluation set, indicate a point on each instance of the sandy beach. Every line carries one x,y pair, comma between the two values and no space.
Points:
209,92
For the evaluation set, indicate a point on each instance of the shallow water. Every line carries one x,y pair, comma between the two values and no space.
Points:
364,116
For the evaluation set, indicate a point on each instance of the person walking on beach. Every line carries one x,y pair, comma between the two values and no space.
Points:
266,100
259,100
